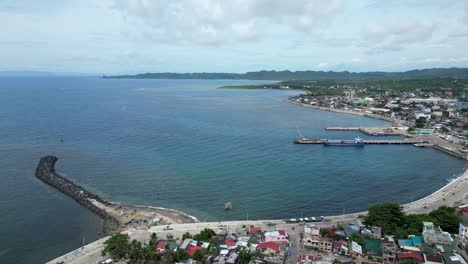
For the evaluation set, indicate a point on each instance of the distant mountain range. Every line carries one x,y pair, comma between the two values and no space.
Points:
306,75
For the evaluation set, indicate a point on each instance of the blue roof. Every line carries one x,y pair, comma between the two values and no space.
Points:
351,229
405,243
416,240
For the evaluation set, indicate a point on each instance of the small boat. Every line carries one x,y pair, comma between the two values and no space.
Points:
228,206
358,142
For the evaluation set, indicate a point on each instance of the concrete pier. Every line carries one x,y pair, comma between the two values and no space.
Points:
366,141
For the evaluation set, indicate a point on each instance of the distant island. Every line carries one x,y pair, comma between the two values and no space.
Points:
306,75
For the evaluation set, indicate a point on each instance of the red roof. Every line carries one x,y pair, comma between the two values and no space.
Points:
305,257
230,242
270,245
464,208
255,229
330,230
340,244
407,255
193,249
281,232
161,244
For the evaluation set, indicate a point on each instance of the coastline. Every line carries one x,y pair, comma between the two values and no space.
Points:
342,111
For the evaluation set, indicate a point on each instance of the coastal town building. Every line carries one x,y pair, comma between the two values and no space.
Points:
435,235
389,249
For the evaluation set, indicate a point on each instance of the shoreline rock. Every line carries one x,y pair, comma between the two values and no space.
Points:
45,171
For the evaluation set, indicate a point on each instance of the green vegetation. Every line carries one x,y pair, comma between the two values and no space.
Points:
244,257
393,221
117,246
186,235
420,122
308,75
357,238
243,87
205,235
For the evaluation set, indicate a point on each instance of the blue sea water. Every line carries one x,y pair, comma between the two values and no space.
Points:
184,144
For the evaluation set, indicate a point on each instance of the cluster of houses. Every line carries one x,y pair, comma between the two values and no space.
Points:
339,245
317,243
263,246
439,114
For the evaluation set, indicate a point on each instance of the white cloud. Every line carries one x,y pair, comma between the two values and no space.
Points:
396,36
246,31
323,65
214,21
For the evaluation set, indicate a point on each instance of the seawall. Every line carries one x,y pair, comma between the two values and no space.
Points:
46,172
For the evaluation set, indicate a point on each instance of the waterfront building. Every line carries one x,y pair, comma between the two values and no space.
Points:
373,247
276,236
409,257
326,244
389,249
434,235
424,131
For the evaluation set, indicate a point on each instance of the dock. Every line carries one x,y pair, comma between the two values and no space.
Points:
366,141
373,131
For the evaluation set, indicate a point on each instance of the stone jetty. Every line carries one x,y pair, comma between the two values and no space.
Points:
46,172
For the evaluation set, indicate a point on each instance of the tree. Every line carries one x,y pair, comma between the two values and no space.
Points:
324,232
389,216
198,255
186,235
153,238
244,257
205,235
117,245
136,251
356,238
446,218
181,255
414,223
420,122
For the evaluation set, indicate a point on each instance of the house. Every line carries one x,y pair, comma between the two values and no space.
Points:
192,249
310,258
409,257
231,244
463,227
350,229
388,248
326,244
408,245
340,247
255,229
276,236
355,249
231,259
311,238
433,259
269,247
161,246
184,245
373,247
453,257
435,235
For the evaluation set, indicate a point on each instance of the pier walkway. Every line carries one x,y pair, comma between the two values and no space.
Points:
366,141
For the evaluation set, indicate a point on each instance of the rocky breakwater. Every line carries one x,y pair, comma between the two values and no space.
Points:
46,172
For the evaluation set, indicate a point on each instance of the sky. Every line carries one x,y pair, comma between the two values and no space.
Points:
136,36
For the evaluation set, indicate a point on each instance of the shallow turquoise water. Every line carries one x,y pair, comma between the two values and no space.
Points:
185,145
